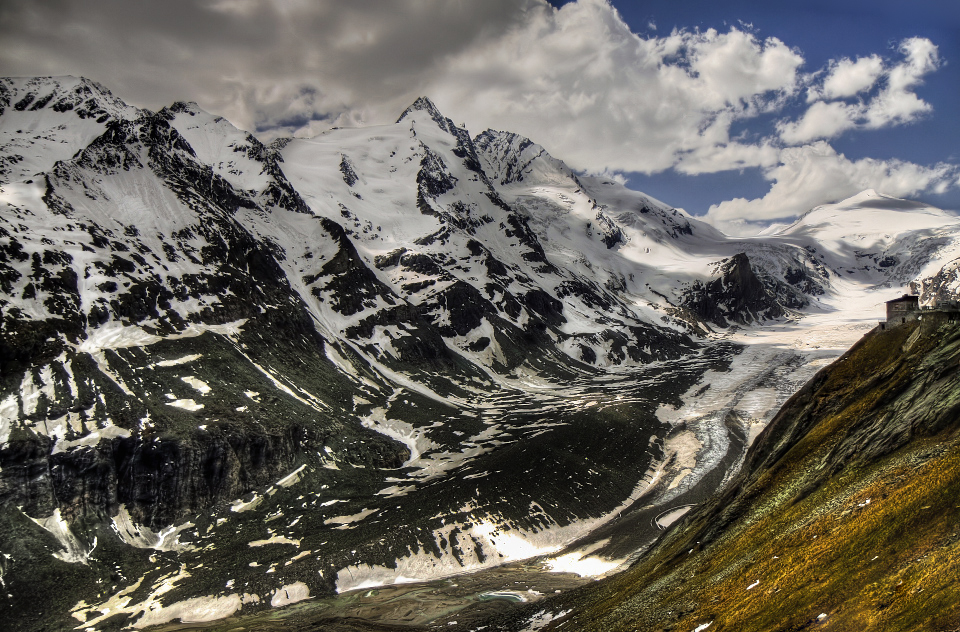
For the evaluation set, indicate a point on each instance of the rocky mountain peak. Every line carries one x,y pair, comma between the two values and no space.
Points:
736,295
424,104
85,97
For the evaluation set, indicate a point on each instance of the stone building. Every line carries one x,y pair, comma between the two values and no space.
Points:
903,310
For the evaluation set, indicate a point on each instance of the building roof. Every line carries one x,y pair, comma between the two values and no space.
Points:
906,298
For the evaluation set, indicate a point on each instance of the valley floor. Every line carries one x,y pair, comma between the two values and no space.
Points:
722,414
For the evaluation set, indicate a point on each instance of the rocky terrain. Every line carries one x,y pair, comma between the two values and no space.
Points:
238,376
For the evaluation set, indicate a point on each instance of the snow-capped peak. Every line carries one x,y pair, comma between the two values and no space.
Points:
423,104
868,213
866,194
62,114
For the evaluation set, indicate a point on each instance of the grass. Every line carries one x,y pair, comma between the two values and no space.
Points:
807,532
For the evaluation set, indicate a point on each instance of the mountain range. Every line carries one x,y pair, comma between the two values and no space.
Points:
235,375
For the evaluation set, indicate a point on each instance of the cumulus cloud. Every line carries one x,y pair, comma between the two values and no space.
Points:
895,103
599,96
848,78
813,174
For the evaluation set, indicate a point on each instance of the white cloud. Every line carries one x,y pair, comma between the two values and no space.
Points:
813,174
821,120
848,78
895,103
733,155
597,95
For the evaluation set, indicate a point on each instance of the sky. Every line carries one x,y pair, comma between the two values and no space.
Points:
745,113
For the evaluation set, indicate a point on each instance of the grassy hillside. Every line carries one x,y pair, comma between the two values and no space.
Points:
846,515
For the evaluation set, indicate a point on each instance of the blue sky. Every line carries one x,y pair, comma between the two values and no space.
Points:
744,112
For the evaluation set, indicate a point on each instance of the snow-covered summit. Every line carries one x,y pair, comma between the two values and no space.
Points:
867,214
46,119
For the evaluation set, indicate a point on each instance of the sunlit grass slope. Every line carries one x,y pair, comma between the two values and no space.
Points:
846,515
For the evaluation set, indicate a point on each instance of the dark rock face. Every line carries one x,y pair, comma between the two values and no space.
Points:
349,284
159,481
736,296
349,175
940,288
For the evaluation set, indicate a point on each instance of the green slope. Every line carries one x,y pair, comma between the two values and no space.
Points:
846,515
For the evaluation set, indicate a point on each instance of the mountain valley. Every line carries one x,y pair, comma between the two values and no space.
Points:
239,379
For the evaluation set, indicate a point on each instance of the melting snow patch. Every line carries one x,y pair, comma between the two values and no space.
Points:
414,438
357,517
753,585
109,431
275,539
199,385
581,563
74,551
292,478
544,618
142,537
667,518
291,593
396,491
9,413
702,627
186,404
239,506
183,360
196,610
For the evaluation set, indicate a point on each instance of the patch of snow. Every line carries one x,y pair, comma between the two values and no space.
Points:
9,413
582,563
202,387
667,518
184,360
291,593
106,433
544,618
275,539
357,517
74,551
239,506
186,404
292,478
143,537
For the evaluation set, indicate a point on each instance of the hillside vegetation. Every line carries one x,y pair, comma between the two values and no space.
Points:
846,515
